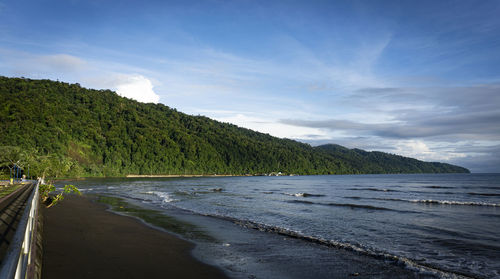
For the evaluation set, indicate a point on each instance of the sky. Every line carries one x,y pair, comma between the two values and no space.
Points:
414,78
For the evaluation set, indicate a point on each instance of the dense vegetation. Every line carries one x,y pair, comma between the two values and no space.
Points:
379,162
62,129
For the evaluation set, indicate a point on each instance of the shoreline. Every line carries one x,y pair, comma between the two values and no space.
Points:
82,239
248,252
245,249
231,175
127,246
181,175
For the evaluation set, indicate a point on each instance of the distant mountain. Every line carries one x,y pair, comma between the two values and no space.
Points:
85,132
379,162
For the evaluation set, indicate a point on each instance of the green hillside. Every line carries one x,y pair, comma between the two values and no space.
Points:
379,162
68,130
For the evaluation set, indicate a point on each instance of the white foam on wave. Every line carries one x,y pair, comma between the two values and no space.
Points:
163,195
410,264
296,194
446,202
303,195
429,201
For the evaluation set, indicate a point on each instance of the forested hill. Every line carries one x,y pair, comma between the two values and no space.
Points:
380,162
85,132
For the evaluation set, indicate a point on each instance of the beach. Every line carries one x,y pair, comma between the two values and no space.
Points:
81,239
374,226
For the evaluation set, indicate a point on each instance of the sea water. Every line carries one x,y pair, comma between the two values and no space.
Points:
448,223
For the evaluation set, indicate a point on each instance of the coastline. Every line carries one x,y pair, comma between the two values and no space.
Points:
179,175
244,249
62,179
246,252
81,239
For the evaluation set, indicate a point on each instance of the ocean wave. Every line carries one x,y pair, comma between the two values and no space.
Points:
485,194
430,201
422,268
490,215
446,202
304,195
162,195
373,189
425,269
207,191
354,198
363,206
301,201
197,191
481,187
439,187
184,193
489,187
350,205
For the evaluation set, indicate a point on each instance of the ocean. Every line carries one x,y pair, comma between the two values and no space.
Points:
434,225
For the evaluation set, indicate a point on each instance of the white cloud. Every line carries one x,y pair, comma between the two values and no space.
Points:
136,87
61,62
420,150
413,148
89,73
272,127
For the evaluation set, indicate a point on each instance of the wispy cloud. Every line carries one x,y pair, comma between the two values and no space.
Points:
33,65
467,112
269,126
452,124
468,126
60,62
480,158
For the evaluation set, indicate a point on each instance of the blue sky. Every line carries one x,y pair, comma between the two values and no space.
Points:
416,78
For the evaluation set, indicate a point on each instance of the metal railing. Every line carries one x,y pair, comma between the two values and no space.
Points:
20,258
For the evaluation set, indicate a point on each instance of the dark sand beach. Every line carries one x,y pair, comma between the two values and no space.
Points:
83,240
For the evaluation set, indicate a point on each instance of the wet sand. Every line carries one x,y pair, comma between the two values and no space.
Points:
83,240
